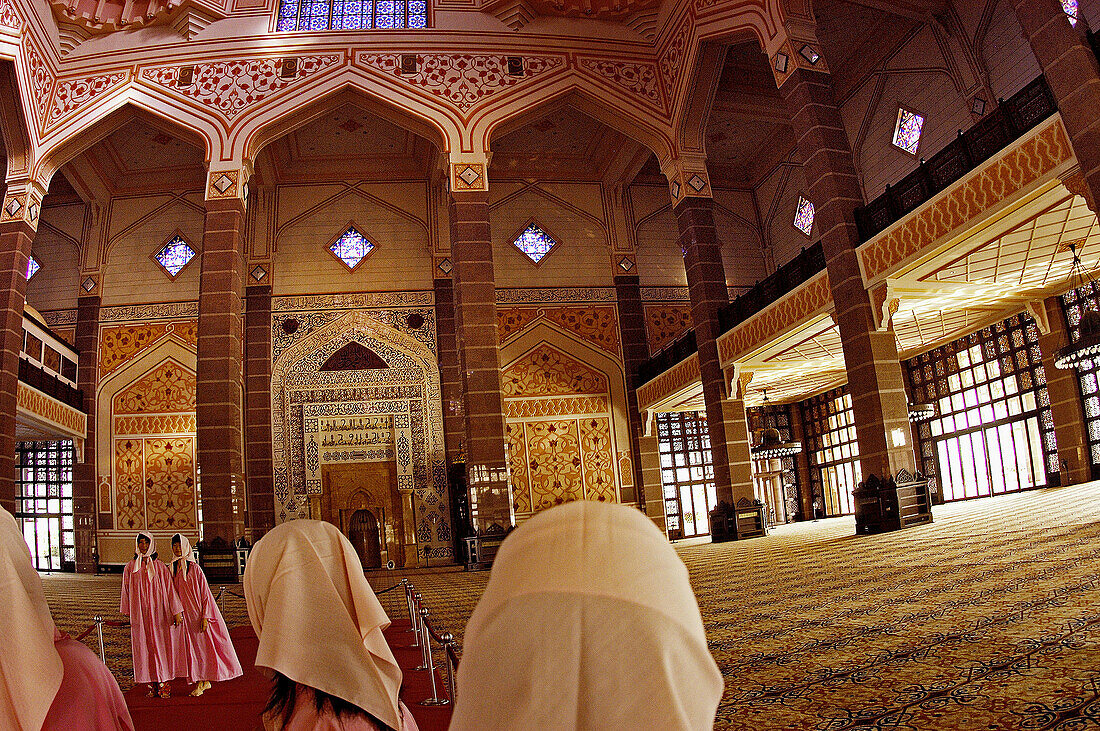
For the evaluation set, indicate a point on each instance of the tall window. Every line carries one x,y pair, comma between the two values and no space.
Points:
44,508
1075,302
1070,8
907,130
351,14
993,432
687,473
830,429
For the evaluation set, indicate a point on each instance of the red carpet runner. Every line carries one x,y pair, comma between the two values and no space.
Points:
235,705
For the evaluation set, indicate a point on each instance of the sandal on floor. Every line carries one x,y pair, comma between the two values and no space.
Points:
152,692
164,691
201,688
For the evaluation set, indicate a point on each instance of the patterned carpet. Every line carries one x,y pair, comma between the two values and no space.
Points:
987,619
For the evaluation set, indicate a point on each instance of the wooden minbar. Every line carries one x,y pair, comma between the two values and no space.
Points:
893,504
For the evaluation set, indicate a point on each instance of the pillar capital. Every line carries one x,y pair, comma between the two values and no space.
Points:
469,172
797,48
687,177
228,181
22,203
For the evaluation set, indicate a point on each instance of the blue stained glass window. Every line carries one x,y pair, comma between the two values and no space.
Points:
32,267
535,243
1070,6
174,256
351,14
907,131
351,248
804,216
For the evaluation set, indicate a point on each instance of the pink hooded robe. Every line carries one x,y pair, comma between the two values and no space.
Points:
205,654
150,603
47,681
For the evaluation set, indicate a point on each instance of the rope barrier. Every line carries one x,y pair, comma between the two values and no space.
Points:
423,635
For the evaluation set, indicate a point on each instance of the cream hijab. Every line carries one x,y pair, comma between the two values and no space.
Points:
187,553
318,620
588,622
147,555
30,668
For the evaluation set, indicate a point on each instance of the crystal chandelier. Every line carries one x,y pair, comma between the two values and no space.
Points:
921,412
1081,353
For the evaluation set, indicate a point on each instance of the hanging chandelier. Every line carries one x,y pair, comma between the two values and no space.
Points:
771,444
921,412
1081,353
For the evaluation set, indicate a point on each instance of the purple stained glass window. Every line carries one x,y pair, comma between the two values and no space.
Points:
174,256
351,248
535,243
1070,6
907,130
32,267
351,14
804,216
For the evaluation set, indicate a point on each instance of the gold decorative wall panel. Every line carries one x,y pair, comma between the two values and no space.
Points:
558,431
120,344
664,323
597,324
167,388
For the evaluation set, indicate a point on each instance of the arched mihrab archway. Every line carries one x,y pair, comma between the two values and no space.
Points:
358,416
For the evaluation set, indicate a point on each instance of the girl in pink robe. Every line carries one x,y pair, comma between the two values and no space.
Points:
155,614
207,648
47,681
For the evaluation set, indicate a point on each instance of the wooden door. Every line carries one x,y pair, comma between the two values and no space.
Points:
363,534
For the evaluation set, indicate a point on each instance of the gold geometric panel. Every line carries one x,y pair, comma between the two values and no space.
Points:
598,324
517,462
664,323
554,457
170,483
168,388
546,371
129,491
599,467
118,345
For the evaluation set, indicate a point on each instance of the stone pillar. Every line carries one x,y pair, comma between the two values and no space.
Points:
450,375
257,448
220,370
1070,68
84,471
738,442
708,292
18,224
628,293
870,355
1064,390
491,508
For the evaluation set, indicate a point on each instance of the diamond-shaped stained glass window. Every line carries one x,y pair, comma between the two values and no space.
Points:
535,243
907,130
351,248
1070,6
804,216
32,267
174,256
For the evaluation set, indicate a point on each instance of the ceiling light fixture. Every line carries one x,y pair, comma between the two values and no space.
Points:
771,444
1087,348
921,412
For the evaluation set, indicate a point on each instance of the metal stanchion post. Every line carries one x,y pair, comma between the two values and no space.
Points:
425,643
448,648
416,619
435,700
409,603
99,631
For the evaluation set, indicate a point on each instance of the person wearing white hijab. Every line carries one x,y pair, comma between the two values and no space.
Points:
588,622
47,680
156,615
320,626
206,653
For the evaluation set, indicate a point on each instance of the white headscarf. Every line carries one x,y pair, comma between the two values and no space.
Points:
318,620
588,622
30,668
187,554
147,555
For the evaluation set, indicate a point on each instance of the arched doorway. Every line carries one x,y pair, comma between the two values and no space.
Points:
363,534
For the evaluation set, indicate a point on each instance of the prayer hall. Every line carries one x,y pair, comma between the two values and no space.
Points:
548,364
